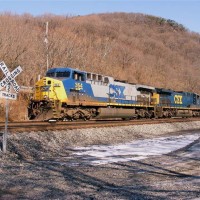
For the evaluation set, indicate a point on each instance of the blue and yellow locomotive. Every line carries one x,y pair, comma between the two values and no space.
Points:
69,94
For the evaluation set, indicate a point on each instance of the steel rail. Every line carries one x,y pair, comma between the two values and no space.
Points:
27,126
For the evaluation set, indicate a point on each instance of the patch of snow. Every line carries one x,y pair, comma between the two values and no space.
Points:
136,150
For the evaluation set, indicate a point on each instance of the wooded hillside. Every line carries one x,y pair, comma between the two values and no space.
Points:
134,47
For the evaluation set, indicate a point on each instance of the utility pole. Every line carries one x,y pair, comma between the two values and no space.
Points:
47,46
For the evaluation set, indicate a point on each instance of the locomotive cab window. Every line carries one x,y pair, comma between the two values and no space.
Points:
65,74
50,74
78,76
89,76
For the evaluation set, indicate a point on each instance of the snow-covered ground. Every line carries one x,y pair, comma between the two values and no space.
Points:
136,150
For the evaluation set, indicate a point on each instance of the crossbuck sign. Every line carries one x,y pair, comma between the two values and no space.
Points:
9,81
6,83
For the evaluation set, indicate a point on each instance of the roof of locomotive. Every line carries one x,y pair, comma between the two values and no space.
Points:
139,86
111,79
59,69
63,69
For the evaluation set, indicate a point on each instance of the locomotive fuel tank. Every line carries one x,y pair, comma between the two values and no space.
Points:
115,113
184,113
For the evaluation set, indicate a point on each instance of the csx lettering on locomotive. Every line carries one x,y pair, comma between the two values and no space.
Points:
178,99
116,91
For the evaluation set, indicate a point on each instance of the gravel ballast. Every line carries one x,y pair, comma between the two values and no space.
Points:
55,142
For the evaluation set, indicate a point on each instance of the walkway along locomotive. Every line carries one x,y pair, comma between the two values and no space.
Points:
70,94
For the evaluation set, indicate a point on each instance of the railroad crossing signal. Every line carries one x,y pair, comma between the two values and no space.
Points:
6,83
9,78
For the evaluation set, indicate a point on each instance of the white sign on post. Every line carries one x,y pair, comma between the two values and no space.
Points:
9,79
8,95
6,83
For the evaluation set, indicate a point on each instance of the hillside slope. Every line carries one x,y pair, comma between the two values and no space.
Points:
134,47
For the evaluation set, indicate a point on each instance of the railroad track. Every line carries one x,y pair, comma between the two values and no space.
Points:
27,126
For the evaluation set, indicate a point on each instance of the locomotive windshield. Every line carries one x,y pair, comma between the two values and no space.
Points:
50,74
59,74
65,74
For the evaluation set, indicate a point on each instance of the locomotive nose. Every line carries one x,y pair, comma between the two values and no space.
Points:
43,89
49,89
